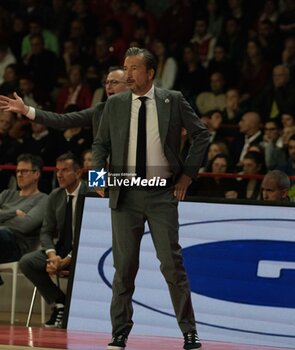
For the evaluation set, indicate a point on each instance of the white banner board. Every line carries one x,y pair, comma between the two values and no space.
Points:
241,265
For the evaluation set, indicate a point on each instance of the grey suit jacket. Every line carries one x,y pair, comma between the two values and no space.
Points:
174,112
87,117
54,218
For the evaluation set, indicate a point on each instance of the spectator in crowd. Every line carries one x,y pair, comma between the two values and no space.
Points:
99,65
60,221
90,117
234,108
215,186
213,121
32,96
167,66
253,164
176,19
6,58
9,148
275,186
286,20
70,56
17,33
80,10
77,32
215,98
288,56
10,79
287,119
43,142
270,42
75,139
288,166
215,17
21,212
272,144
75,92
203,41
276,97
41,64
221,63
191,77
255,71
232,40
36,28
250,134
269,12
112,32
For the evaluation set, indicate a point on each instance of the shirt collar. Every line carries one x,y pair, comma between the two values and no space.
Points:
75,192
150,94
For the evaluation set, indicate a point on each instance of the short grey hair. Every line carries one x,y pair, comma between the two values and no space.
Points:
149,58
282,179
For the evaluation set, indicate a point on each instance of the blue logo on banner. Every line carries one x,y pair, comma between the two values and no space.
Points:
228,270
97,178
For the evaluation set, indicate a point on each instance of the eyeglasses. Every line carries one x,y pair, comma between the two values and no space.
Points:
113,82
24,171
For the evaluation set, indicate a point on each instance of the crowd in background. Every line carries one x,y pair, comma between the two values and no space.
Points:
233,60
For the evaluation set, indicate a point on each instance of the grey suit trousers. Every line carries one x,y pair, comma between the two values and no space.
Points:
159,209
33,266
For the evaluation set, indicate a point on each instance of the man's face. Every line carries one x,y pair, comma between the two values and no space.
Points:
271,132
271,192
5,122
115,82
139,78
280,77
26,176
67,176
216,82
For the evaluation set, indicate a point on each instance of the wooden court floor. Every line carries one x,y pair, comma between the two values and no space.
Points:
23,338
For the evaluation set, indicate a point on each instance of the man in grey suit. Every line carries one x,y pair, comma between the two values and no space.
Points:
166,112
90,117
59,221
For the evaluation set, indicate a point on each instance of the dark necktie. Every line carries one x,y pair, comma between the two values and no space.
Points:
66,239
141,140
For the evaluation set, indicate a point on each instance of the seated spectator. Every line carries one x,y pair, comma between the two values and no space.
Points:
215,17
41,63
204,41
76,92
10,80
255,71
213,121
75,139
43,142
288,166
86,163
287,119
59,221
213,99
288,56
217,186
253,164
36,27
6,58
273,144
167,66
21,212
191,77
250,134
275,186
278,96
9,147
220,62
216,147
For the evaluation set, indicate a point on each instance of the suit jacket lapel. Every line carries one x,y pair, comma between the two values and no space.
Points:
163,104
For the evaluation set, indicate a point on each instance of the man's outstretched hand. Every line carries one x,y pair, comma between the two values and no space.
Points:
15,105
